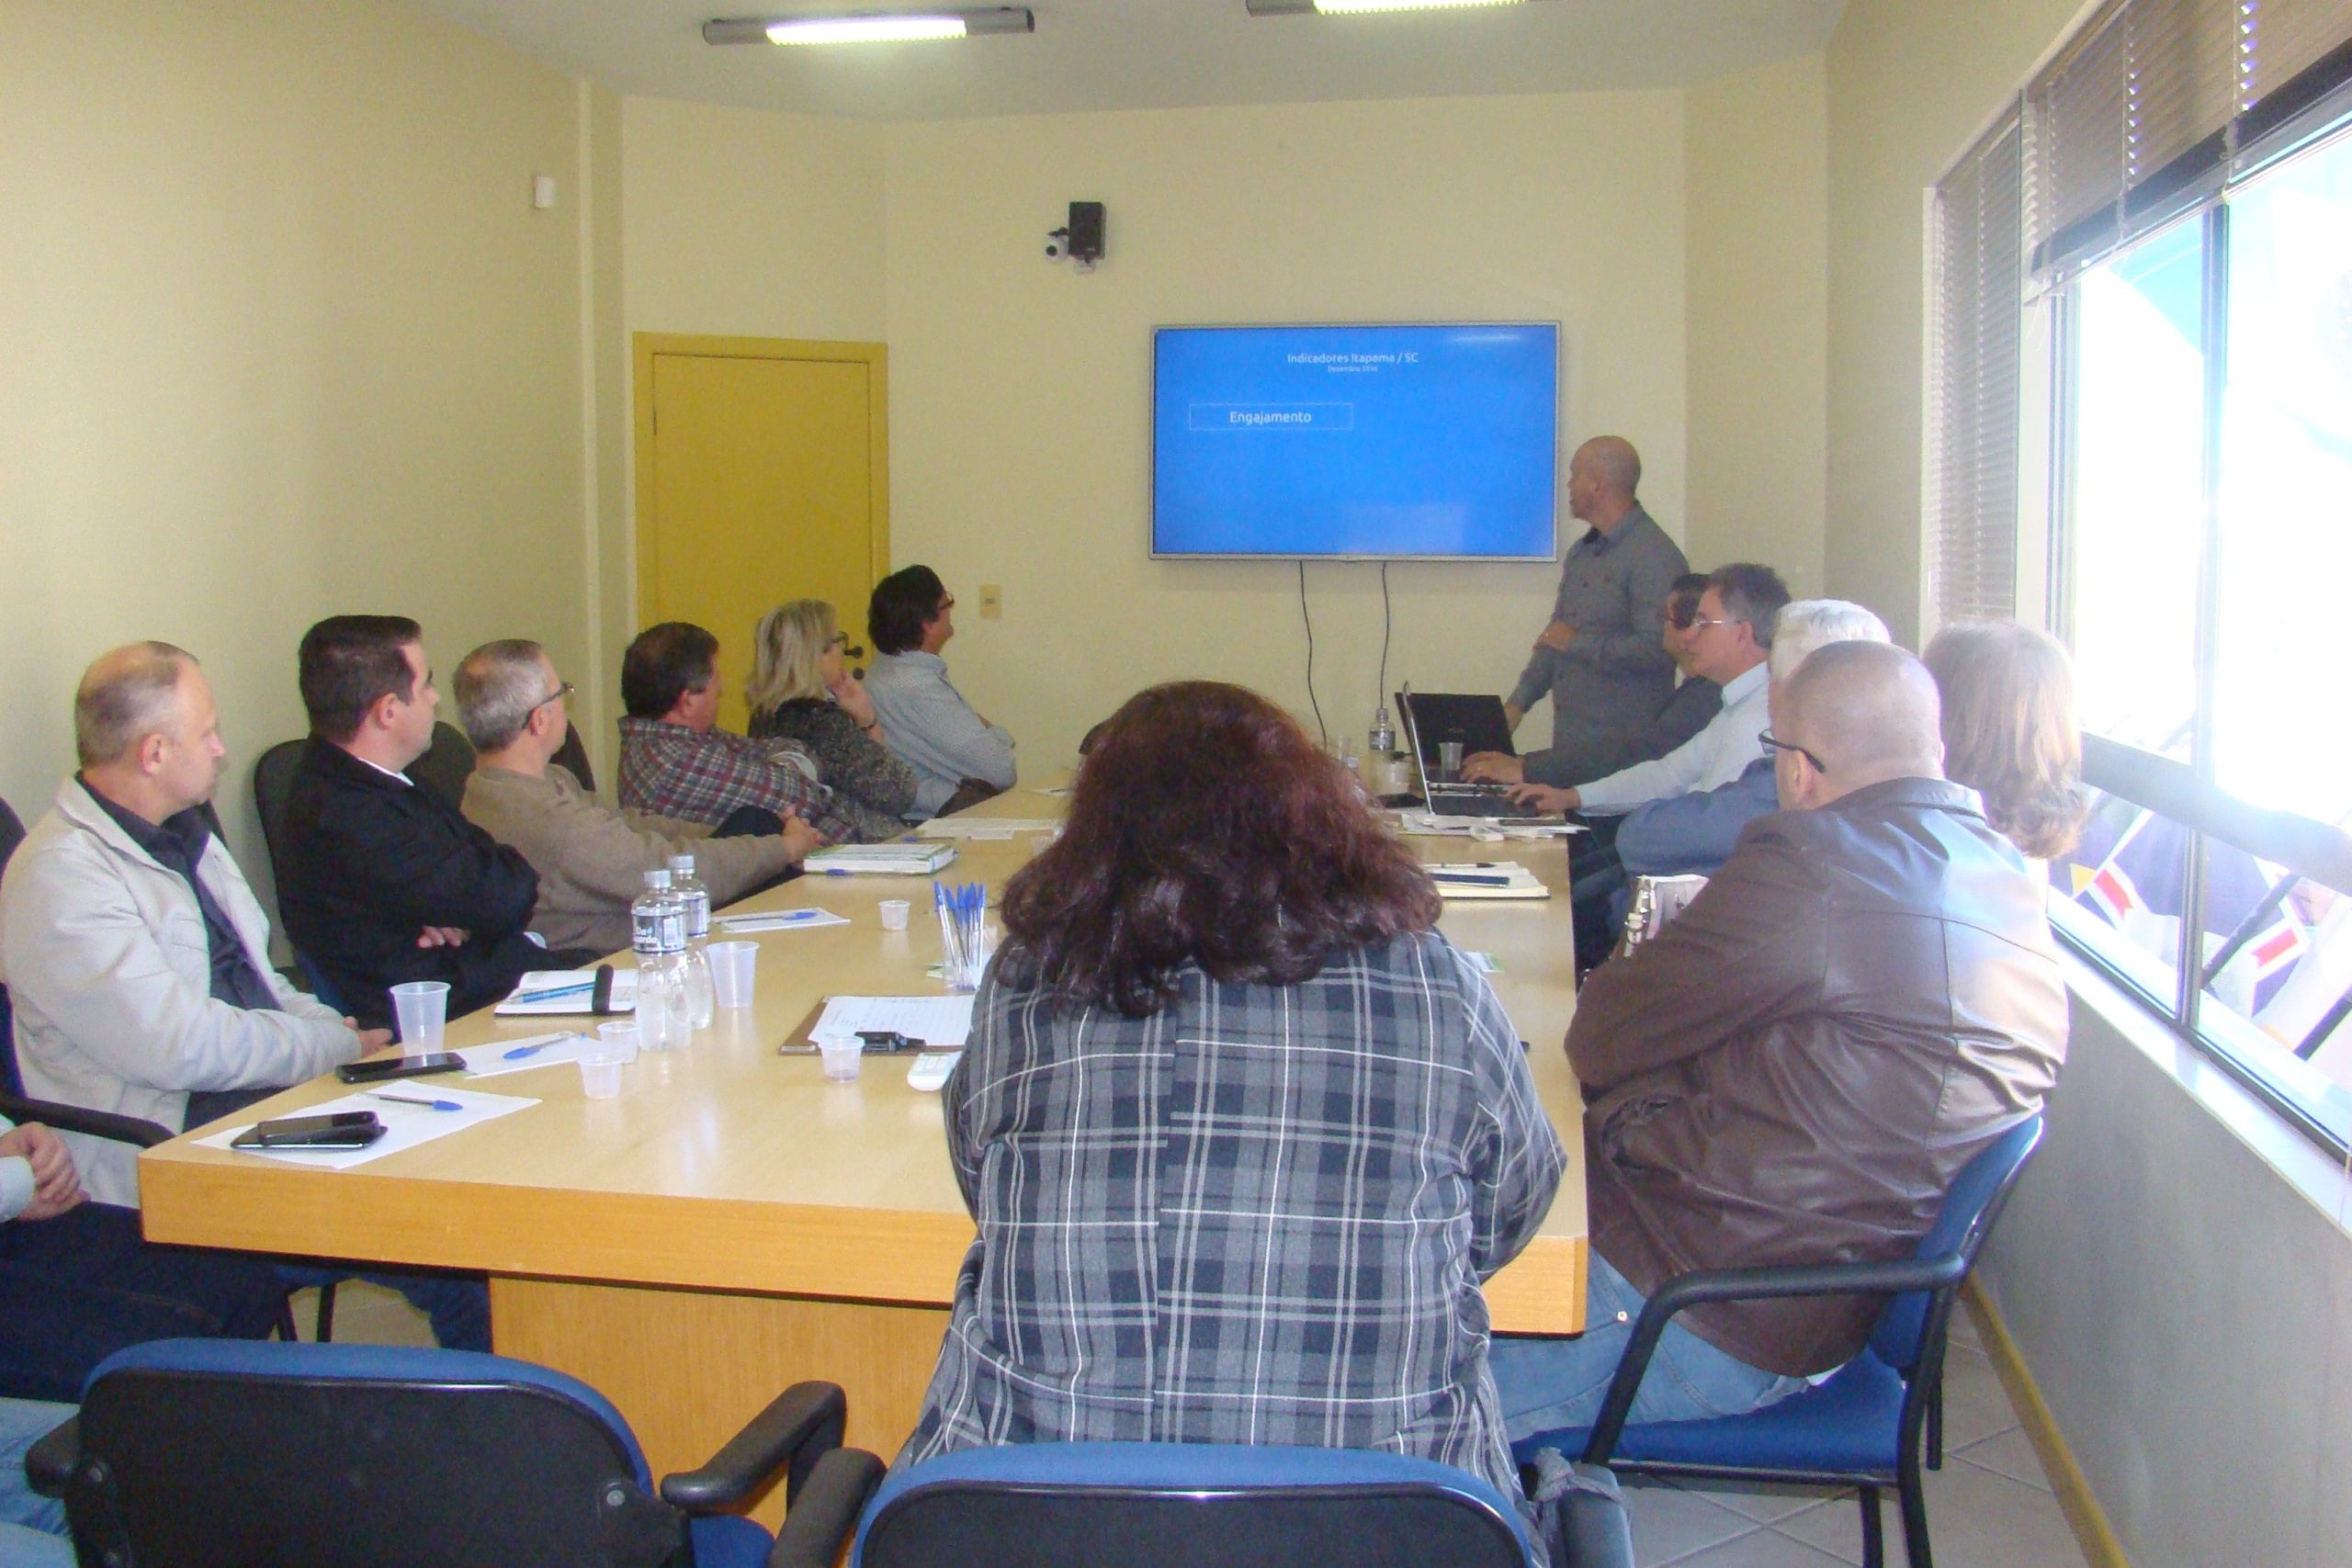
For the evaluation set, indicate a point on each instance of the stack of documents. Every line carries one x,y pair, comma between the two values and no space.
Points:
1486,879
985,827
776,921
940,1023
898,858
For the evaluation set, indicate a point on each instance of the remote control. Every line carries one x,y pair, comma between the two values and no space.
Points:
929,1071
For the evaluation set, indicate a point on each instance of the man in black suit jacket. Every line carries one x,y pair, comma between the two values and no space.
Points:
382,880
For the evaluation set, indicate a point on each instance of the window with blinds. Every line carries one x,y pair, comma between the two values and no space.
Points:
2151,108
1973,385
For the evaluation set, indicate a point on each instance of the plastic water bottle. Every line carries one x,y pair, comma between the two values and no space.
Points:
658,932
702,995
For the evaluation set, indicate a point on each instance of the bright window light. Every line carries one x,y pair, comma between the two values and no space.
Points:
864,30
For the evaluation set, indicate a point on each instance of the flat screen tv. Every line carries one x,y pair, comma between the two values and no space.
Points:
1433,442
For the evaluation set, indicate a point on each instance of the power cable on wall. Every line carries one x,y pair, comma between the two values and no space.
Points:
1322,735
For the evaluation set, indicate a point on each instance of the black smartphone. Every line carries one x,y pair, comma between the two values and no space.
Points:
383,1068
343,1130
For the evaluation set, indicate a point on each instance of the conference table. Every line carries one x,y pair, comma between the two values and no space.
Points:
733,1221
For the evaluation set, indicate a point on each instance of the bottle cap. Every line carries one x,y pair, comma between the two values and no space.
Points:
682,864
657,879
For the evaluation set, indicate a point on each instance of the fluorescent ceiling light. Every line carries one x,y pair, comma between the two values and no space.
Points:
1359,7
864,30
870,26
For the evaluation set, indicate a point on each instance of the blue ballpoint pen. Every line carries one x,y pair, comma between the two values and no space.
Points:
553,992
520,1052
427,1104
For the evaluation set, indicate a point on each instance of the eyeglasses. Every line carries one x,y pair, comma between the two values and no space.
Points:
1772,742
561,692
945,606
839,640
1698,621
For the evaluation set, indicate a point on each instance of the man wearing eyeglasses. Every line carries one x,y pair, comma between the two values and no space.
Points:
590,859
1730,640
958,757
1794,1069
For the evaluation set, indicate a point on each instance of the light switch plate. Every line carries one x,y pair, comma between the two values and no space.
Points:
992,601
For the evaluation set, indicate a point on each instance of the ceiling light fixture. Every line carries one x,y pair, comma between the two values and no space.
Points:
870,26
1360,7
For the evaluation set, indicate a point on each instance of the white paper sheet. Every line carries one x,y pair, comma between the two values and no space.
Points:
405,1126
985,827
776,921
498,1058
940,1020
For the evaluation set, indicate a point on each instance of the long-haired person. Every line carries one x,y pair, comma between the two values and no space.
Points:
1241,1132
801,689
2009,730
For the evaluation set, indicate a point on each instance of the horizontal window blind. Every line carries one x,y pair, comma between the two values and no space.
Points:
1972,384
2150,100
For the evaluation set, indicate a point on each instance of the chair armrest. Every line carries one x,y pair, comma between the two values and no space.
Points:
800,1426
48,1463
1703,1285
93,1123
1600,1534
816,1528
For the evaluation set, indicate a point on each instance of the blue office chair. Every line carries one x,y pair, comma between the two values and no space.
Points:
1862,1427
1174,1506
201,1452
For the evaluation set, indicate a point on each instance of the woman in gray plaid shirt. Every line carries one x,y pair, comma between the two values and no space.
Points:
1241,1132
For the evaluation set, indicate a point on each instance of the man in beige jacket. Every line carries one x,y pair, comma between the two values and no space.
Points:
592,860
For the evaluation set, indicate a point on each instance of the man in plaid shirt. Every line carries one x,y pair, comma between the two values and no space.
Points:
676,762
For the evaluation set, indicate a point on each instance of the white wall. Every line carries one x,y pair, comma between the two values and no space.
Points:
1021,389
1911,82
283,338
1758,198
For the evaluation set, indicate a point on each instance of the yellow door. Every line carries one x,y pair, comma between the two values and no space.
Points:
761,476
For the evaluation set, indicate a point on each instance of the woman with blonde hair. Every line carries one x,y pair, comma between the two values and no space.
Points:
801,689
2010,729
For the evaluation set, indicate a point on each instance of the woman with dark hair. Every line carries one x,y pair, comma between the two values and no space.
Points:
1241,1132
2009,730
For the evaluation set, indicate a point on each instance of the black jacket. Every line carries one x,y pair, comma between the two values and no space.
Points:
1794,1070
369,862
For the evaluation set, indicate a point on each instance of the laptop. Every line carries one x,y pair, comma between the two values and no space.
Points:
1478,723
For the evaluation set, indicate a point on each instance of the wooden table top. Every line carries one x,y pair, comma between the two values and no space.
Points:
726,1165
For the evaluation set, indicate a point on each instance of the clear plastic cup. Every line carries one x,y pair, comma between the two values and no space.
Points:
617,1040
734,972
421,1008
894,914
1449,761
841,1062
599,1075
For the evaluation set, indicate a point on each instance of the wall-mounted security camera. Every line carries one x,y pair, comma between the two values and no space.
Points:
1082,240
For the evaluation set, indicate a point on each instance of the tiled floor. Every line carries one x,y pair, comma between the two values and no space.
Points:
1988,1507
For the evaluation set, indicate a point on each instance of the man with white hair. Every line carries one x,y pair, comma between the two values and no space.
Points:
1794,1070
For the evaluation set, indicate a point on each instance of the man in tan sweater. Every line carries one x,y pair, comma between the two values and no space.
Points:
592,860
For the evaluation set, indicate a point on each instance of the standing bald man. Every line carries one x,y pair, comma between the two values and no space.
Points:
1602,659
1794,1070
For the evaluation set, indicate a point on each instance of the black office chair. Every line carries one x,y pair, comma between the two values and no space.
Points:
1862,1427
201,1451
445,764
573,755
1176,1506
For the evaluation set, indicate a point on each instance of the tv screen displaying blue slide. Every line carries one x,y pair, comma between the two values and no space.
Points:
1436,442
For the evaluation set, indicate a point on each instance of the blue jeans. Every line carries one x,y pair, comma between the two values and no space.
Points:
32,1527
457,1305
1549,1384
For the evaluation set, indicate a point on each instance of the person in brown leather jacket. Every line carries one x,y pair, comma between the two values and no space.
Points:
1794,1070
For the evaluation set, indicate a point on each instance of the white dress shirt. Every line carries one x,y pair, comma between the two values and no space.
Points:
1709,759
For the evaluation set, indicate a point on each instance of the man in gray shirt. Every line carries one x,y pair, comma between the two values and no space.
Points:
1602,660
